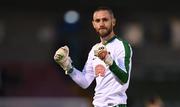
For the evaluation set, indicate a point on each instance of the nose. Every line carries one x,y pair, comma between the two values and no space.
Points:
101,24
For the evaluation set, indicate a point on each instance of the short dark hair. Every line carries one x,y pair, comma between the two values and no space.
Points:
106,9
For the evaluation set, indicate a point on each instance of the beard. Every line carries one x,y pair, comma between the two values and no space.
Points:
104,32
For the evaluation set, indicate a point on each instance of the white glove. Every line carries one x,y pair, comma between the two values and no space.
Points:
62,58
101,52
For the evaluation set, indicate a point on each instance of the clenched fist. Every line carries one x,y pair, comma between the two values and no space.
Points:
101,52
62,58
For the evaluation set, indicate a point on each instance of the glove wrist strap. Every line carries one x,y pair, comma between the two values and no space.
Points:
69,71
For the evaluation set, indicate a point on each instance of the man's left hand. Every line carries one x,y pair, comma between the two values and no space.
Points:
101,52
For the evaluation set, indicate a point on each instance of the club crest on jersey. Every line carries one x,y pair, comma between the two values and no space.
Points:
100,70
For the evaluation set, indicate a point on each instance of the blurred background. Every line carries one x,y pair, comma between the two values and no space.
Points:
31,32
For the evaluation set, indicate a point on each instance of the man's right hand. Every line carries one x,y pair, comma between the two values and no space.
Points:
62,58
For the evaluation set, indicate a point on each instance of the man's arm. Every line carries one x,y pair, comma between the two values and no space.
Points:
122,74
83,79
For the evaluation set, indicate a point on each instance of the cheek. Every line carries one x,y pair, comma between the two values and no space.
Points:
95,26
109,25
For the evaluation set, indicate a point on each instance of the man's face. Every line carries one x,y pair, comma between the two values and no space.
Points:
103,22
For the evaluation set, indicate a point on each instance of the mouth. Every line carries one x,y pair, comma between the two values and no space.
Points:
102,28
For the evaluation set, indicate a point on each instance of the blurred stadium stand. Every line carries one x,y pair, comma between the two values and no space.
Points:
31,32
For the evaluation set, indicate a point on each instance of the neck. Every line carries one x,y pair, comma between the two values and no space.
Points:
105,39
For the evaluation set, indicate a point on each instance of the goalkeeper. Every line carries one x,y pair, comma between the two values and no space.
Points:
109,62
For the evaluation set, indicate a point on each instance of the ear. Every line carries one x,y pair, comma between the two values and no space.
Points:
114,21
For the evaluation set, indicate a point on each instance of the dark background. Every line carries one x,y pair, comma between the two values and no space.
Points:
31,32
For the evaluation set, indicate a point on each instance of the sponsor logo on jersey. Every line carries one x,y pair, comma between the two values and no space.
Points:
100,70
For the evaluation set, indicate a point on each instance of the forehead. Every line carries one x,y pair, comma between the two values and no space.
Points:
101,14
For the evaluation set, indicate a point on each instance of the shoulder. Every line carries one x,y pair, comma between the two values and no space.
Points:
126,46
122,42
93,48
121,46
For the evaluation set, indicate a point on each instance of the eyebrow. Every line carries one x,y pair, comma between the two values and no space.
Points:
98,19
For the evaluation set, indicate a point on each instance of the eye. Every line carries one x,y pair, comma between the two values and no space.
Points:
97,20
105,19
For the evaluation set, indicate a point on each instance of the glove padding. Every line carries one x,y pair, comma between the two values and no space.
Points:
101,52
62,58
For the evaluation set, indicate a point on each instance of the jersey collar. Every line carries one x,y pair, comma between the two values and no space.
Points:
110,40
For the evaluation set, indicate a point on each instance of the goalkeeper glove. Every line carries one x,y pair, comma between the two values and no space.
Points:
101,52
62,58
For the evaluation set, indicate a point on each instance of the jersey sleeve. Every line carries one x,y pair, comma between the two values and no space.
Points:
122,63
85,77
